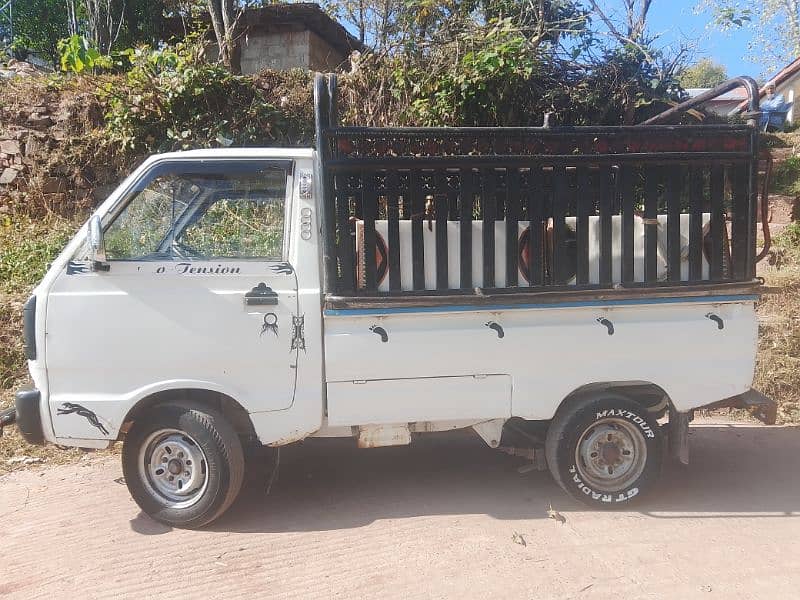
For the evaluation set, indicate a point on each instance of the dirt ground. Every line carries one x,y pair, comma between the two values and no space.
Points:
444,518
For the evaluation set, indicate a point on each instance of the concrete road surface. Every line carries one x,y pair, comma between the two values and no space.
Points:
445,518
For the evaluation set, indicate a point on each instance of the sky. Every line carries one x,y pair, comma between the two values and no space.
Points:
676,20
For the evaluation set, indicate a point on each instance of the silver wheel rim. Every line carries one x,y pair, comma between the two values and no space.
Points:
611,454
173,467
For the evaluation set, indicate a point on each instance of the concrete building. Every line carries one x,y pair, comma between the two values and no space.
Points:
286,36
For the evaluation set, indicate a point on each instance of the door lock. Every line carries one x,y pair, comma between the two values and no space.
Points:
261,295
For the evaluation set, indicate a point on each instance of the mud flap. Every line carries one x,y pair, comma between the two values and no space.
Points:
679,435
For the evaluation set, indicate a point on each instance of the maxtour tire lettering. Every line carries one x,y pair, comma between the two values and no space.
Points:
183,465
604,450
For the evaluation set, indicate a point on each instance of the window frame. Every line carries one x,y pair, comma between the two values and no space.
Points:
185,166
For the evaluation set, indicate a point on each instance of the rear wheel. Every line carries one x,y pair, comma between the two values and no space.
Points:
183,465
604,450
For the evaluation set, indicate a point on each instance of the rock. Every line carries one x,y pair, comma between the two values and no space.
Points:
24,460
9,147
8,175
54,185
33,146
101,192
40,120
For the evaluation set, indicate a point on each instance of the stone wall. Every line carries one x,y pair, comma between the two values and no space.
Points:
45,151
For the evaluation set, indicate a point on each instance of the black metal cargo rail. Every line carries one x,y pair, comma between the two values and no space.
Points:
476,213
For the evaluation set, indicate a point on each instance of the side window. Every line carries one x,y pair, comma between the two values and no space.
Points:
203,212
245,222
139,229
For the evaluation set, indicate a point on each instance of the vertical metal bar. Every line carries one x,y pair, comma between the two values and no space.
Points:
652,177
535,217
489,209
560,205
584,195
627,187
344,234
328,200
717,190
441,206
695,223
452,196
606,210
467,199
417,217
739,225
513,202
393,218
752,194
673,186
369,208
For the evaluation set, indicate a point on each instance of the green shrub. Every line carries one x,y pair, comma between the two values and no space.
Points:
172,100
77,55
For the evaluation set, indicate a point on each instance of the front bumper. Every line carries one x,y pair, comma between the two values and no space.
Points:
29,420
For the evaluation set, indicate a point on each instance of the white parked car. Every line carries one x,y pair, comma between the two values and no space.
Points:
589,286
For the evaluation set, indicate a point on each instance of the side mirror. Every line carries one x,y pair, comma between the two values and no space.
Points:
97,247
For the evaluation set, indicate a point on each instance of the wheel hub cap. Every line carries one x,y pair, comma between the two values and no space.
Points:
611,454
174,468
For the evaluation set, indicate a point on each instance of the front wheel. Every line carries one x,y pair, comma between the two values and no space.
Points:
183,465
604,450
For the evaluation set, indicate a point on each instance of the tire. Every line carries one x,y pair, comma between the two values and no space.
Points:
604,450
183,465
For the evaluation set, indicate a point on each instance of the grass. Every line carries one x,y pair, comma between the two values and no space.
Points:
27,246
778,365
786,177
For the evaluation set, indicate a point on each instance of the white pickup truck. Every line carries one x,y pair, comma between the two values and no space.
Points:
589,287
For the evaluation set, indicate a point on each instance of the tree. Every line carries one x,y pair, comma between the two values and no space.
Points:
42,23
635,57
775,25
225,21
702,74
104,20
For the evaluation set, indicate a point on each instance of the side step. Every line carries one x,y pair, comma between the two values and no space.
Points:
760,406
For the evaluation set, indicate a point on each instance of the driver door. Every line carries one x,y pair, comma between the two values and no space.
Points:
198,294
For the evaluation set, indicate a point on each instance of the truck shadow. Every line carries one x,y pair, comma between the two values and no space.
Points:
331,484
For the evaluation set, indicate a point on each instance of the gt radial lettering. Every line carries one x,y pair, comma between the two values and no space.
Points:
630,416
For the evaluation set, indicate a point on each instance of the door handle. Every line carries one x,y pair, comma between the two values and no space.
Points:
261,295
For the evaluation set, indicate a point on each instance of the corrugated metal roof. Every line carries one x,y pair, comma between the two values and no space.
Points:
732,96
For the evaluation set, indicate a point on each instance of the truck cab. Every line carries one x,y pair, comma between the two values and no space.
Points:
392,283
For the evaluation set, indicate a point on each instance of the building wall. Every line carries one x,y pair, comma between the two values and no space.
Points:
286,50
322,56
791,93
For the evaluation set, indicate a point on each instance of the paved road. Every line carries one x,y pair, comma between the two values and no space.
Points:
437,520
